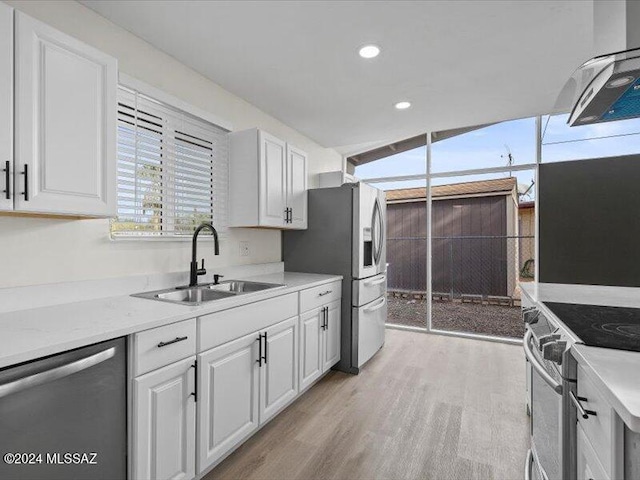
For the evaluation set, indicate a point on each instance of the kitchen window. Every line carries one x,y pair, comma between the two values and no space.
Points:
172,171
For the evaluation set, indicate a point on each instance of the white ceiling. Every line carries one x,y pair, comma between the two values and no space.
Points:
460,63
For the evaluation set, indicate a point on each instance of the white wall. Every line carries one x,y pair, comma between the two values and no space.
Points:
39,250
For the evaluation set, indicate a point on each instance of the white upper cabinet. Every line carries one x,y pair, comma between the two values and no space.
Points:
6,107
65,123
297,187
268,182
272,180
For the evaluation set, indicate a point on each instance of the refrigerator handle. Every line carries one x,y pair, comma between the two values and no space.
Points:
377,236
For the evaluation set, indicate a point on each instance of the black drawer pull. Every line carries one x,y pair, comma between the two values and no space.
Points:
580,410
326,292
175,340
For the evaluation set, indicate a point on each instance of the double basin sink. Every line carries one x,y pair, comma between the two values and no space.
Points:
207,292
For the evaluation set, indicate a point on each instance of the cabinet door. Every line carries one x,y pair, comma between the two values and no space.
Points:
228,382
588,465
279,375
6,107
272,180
331,342
164,419
310,347
65,120
297,187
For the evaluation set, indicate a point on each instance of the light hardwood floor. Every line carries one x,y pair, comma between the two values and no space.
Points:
425,407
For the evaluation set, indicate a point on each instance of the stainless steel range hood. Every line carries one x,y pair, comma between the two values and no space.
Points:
607,87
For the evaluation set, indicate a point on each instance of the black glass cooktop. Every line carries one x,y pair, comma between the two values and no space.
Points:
598,326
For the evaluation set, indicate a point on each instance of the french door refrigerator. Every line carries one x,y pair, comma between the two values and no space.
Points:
346,236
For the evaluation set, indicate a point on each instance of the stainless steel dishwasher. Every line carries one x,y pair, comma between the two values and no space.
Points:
65,416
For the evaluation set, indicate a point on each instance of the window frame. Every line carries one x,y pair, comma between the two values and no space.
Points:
172,101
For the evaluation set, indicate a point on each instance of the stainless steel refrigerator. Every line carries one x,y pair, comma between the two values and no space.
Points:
346,236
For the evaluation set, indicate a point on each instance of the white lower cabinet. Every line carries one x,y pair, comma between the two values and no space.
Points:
331,347
164,430
310,347
243,384
279,371
588,465
228,380
319,342
187,416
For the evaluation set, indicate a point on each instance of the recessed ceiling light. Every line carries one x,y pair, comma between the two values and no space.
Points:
403,105
369,51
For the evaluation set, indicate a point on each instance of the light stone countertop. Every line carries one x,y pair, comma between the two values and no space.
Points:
615,372
29,334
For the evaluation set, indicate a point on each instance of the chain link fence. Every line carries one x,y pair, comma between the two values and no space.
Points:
473,279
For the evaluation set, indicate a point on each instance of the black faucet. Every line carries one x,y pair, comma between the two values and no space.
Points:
195,271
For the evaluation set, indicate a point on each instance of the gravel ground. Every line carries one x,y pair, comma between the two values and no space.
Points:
462,317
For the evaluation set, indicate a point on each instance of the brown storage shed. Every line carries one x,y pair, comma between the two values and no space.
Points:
474,247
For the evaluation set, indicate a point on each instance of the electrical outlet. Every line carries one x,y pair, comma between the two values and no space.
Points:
244,248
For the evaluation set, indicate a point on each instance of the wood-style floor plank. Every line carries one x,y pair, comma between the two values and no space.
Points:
425,407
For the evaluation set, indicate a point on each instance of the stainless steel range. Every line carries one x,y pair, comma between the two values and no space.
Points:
552,373
553,400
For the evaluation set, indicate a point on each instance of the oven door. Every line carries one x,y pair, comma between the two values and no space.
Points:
546,412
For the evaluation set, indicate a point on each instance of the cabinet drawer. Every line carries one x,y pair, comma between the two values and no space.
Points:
163,345
222,327
368,289
599,428
321,295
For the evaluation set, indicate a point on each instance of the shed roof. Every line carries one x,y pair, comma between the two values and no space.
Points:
500,186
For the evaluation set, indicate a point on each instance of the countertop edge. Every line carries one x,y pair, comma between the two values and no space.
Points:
189,312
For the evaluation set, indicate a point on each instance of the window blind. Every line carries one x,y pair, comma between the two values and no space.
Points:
172,170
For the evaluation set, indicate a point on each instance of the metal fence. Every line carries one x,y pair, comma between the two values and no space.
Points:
461,265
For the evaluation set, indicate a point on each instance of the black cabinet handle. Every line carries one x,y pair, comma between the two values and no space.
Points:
259,360
175,340
266,346
26,182
579,408
195,382
7,177
326,318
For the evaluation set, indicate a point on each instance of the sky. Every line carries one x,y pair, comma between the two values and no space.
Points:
490,147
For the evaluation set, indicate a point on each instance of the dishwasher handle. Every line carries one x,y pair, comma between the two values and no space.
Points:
537,365
56,373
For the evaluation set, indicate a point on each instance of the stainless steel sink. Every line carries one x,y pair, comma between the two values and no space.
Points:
193,295
207,292
239,286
